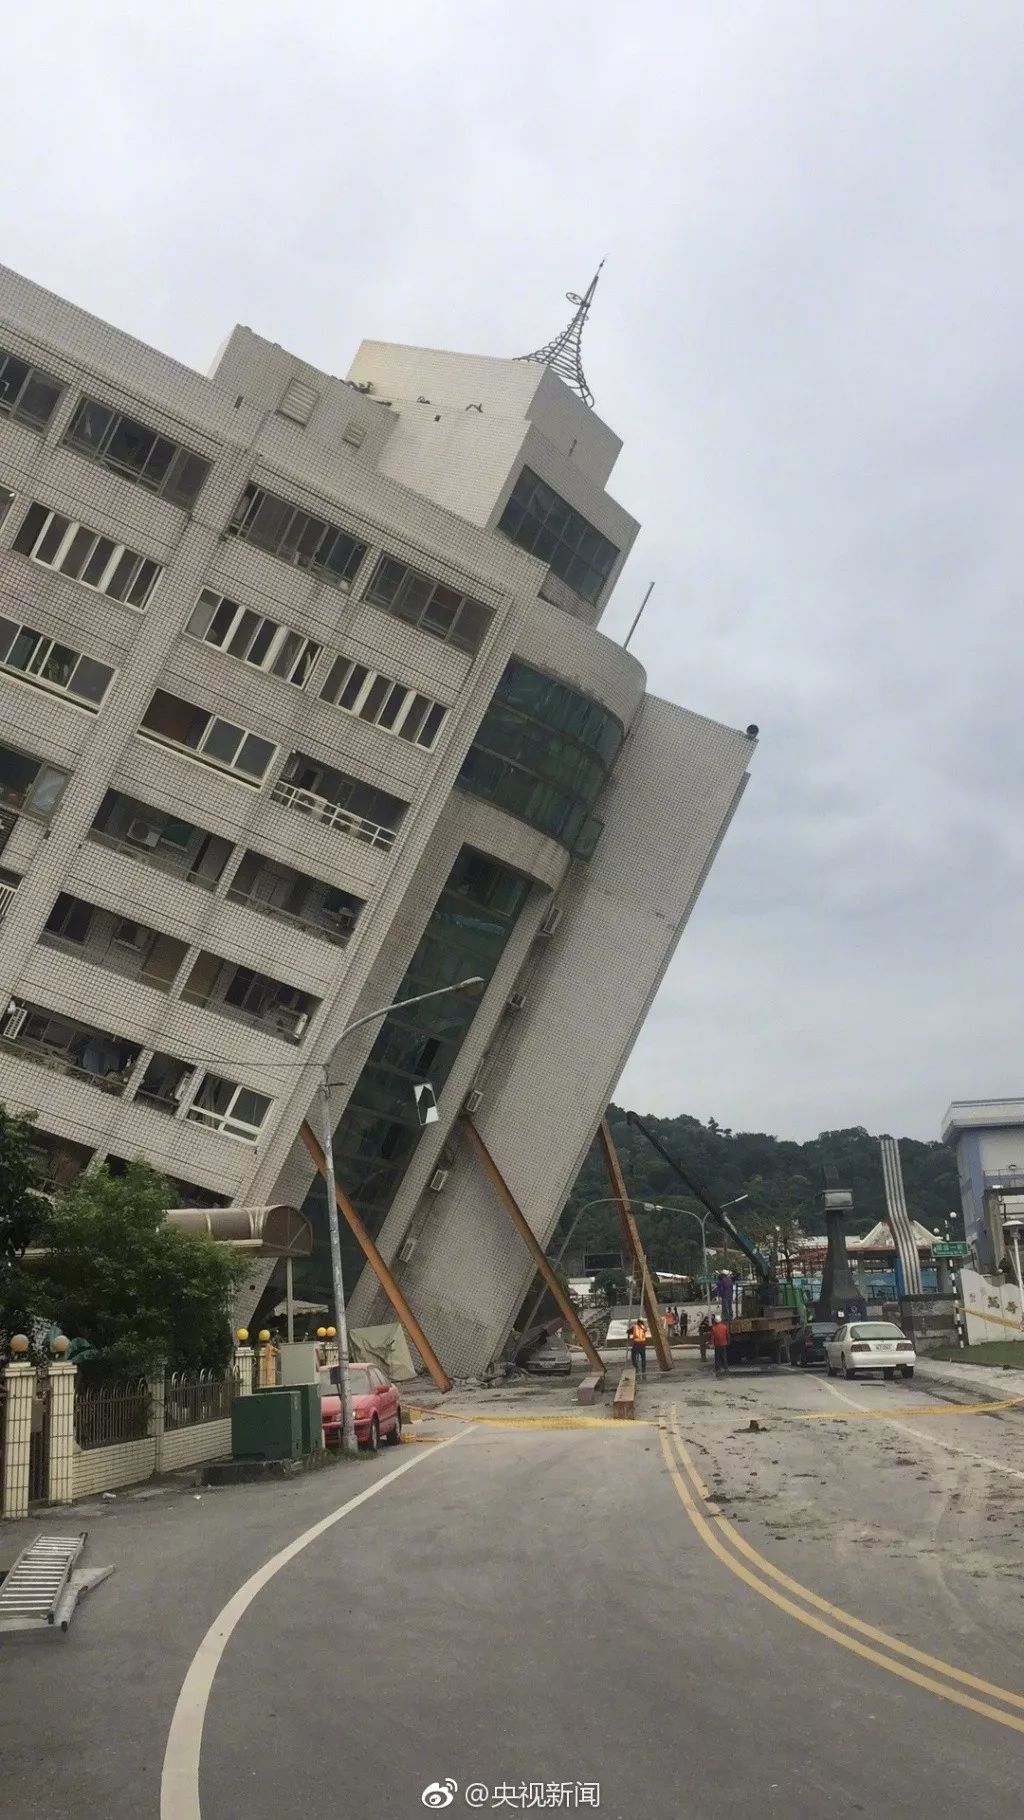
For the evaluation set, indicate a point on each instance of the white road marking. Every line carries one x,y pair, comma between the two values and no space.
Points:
916,1434
179,1781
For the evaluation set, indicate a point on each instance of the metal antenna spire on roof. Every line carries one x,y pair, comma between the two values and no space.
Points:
564,353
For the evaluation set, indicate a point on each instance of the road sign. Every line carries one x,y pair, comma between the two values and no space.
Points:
426,1103
951,1248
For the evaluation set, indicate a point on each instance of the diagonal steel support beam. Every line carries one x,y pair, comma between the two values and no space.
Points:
530,1240
631,1235
378,1266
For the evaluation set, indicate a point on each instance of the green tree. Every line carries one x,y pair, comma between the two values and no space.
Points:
611,1286
23,1215
138,1290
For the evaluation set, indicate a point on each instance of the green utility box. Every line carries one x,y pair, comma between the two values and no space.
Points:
267,1425
312,1420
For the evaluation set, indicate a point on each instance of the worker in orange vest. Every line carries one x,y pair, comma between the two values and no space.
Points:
720,1342
638,1338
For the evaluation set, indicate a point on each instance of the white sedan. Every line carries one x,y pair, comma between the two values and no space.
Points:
870,1346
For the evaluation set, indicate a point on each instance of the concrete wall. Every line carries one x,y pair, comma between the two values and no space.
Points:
99,1469
553,1067
991,1306
190,1446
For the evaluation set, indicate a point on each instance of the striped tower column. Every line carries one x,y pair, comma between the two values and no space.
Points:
899,1219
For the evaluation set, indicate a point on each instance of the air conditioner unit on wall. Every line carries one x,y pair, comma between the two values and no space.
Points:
14,1019
551,921
437,1181
406,1250
142,833
516,1001
473,1100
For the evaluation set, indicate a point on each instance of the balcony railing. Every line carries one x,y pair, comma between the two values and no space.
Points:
151,856
338,930
158,1102
7,893
277,1020
61,1063
333,814
108,960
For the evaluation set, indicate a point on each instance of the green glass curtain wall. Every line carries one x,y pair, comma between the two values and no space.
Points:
375,1139
544,753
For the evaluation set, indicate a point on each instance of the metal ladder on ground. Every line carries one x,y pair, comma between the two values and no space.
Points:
42,1588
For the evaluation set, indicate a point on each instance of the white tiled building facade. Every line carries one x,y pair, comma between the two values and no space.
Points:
305,708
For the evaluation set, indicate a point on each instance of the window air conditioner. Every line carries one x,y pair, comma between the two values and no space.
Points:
551,921
516,1001
142,833
406,1250
473,1100
437,1181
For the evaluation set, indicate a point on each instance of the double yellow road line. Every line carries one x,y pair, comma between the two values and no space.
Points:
763,1577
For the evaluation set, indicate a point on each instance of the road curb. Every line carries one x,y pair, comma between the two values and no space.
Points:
996,1383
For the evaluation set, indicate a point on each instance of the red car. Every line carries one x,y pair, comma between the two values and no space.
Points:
376,1410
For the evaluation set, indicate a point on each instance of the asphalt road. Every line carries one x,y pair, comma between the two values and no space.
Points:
552,1605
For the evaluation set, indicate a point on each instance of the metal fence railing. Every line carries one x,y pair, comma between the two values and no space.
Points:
109,1414
197,1396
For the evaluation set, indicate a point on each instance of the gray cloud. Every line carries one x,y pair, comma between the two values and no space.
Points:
808,335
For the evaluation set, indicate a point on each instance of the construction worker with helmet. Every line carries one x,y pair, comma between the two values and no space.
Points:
638,1338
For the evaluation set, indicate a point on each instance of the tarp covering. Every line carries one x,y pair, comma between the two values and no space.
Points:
385,1346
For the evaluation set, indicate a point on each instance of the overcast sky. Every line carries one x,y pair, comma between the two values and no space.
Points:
809,333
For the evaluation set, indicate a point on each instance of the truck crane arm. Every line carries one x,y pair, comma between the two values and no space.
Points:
707,1200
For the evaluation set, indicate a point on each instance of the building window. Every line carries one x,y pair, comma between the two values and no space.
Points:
73,1048
312,788
466,934
544,753
248,997
26,393
116,943
274,889
164,1082
296,536
161,839
61,1162
142,455
541,522
39,660
383,701
86,556
172,722
29,785
6,502
253,638
441,611
225,1106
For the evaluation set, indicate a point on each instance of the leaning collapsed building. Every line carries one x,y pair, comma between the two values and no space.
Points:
305,709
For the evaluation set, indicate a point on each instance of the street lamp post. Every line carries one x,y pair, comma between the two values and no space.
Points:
603,1200
348,1431
702,1219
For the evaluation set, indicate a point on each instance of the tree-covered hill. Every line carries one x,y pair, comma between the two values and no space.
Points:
783,1180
